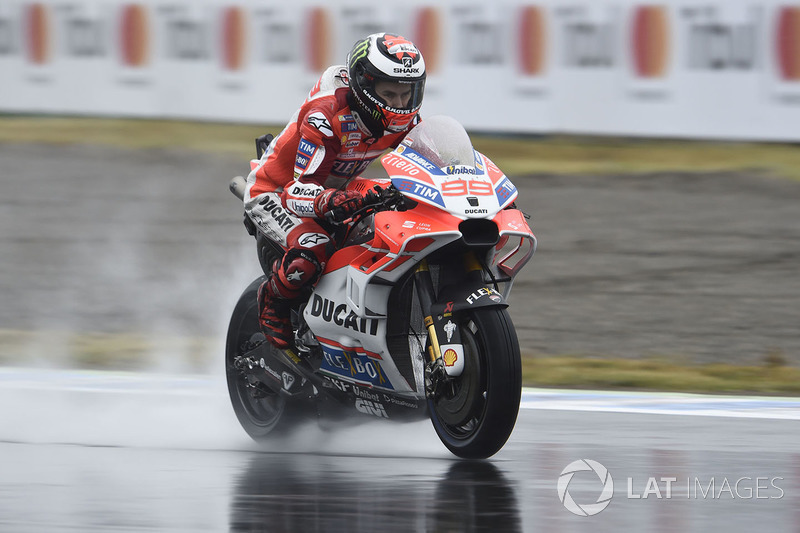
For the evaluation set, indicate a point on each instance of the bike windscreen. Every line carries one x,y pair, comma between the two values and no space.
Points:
442,141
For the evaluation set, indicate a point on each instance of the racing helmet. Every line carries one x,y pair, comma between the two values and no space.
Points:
385,57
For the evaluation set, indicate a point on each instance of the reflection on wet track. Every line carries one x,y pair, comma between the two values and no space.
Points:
125,453
290,493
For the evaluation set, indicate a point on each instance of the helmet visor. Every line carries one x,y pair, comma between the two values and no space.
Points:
399,95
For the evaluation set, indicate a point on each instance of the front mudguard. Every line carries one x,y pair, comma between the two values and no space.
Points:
453,300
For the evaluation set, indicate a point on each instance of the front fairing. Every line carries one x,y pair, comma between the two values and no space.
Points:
466,191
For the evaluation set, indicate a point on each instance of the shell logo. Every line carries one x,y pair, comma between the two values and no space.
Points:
319,39
134,36
787,43
650,41
427,29
234,38
37,27
532,39
450,357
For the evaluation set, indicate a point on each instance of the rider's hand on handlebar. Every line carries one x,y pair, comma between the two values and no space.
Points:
338,206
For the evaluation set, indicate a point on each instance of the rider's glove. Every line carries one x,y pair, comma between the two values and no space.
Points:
337,206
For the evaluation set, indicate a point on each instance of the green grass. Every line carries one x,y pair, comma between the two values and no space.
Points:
99,351
772,377
131,351
514,154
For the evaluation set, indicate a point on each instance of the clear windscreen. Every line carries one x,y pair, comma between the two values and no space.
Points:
442,141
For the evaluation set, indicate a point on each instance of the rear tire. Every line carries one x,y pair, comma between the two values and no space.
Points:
477,415
260,415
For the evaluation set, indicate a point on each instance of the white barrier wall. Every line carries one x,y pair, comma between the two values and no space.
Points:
727,69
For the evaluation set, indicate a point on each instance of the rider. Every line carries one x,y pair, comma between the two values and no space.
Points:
351,116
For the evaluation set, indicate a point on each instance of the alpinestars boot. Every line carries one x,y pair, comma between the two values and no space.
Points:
274,309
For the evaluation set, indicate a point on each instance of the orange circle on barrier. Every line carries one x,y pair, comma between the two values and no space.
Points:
134,35
319,39
427,29
650,41
37,26
787,43
234,38
532,39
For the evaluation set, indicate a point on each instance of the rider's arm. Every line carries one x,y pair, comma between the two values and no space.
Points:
315,156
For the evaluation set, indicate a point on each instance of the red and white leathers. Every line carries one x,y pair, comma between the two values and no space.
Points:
323,146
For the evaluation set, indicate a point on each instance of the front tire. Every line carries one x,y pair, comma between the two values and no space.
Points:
476,412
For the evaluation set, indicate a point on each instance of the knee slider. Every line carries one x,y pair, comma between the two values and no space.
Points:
299,268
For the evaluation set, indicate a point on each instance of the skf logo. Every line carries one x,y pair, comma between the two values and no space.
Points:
371,408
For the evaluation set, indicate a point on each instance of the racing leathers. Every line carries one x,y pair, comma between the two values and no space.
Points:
297,183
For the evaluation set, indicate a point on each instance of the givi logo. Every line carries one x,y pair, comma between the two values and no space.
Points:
787,43
134,36
234,38
37,27
532,40
650,41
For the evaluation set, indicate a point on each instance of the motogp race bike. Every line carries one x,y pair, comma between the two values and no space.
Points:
408,319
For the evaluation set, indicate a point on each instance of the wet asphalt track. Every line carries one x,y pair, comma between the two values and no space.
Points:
110,452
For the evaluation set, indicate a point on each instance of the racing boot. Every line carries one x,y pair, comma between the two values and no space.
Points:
274,309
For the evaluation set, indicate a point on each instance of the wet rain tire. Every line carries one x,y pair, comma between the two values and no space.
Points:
260,417
476,419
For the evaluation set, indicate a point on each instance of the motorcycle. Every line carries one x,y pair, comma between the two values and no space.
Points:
409,317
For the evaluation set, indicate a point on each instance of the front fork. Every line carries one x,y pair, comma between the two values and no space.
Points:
445,350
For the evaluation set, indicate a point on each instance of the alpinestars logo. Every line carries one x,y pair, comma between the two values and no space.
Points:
319,121
309,240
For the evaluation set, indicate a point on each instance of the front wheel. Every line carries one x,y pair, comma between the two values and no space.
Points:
475,413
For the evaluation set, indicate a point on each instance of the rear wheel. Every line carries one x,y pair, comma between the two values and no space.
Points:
474,414
260,410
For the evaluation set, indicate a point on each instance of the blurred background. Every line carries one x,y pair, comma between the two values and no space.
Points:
652,143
